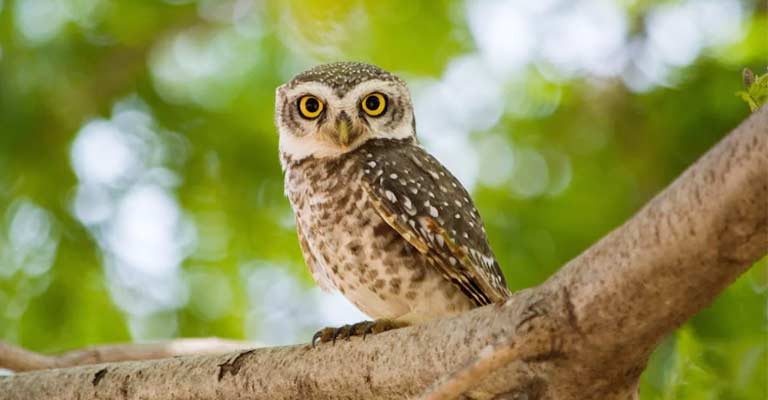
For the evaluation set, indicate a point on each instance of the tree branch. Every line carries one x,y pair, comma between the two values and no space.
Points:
585,333
489,359
20,360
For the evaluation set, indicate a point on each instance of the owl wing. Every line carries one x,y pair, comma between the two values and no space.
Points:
419,198
319,274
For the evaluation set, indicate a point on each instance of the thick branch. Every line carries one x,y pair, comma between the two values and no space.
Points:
585,333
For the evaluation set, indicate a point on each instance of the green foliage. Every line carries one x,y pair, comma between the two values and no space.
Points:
703,361
187,87
757,89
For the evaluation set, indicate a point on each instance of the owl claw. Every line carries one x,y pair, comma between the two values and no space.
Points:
357,329
382,325
323,336
340,331
363,328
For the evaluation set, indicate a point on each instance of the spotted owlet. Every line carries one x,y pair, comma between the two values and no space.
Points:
378,217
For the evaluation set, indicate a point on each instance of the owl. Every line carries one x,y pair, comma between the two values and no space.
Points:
378,218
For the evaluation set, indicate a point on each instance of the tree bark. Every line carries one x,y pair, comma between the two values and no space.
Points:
586,333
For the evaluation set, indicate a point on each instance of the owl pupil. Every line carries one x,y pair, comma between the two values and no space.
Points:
372,103
312,105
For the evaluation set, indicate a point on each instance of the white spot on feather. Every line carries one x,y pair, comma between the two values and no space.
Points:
407,202
440,240
433,212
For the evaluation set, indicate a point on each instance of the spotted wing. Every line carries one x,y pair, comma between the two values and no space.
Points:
427,205
319,273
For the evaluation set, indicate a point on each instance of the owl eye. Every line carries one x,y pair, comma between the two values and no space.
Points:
310,107
374,104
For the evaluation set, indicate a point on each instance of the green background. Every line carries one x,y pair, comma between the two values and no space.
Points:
141,194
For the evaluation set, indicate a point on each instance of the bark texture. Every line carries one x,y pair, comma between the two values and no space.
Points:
586,333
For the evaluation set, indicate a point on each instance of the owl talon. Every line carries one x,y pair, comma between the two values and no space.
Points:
382,325
363,329
368,330
357,329
323,336
340,332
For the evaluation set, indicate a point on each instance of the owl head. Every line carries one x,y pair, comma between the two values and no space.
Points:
333,109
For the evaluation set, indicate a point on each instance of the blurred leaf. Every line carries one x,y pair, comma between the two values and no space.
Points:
757,89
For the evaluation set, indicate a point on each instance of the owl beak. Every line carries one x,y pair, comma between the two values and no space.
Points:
345,133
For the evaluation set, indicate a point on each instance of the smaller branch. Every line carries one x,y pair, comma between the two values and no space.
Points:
489,359
538,335
19,360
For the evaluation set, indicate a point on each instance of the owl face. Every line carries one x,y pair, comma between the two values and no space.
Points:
334,108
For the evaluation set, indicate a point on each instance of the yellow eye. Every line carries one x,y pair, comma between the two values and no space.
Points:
374,104
310,107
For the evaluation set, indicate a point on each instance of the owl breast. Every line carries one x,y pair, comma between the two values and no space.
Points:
354,250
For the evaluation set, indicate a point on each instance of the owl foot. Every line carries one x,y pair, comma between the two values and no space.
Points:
363,329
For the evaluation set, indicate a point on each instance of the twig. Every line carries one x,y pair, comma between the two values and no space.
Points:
489,359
